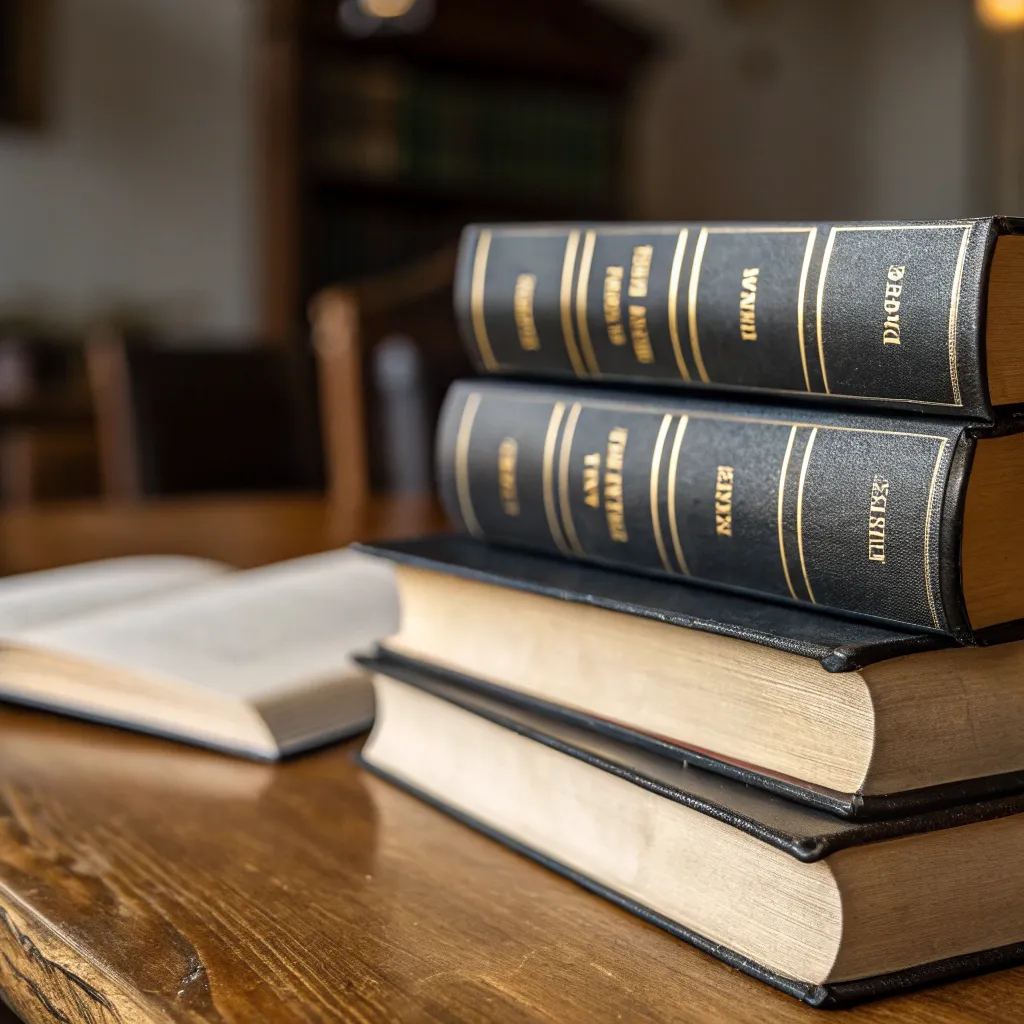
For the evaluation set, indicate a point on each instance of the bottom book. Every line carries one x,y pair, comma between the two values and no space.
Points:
830,911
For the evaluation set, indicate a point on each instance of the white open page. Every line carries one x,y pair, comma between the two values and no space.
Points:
37,598
248,634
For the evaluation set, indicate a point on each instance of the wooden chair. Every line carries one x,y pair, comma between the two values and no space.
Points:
347,323
202,418
47,436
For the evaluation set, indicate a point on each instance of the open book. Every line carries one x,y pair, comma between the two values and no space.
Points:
256,663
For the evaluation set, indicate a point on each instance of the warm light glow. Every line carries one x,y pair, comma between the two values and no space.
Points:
1001,15
387,8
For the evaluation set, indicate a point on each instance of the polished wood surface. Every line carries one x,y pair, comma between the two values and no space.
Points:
243,531
142,880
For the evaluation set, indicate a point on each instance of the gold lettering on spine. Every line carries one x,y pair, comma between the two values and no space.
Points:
476,300
801,294
582,290
748,303
469,411
547,477
568,266
954,309
821,298
640,271
673,466
508,457
698,258
563,478
876,518
659,447
782,498
891,305
614,506
800,512
638,332
724,477
928,536
592,479
673,303
613,305
522,310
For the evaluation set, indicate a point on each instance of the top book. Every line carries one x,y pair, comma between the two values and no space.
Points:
908,315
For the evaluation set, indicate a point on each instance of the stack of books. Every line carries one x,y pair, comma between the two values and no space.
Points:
732,636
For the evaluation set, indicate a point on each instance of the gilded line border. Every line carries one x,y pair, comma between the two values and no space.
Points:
928,535
698,258
572,244
954,312
800,513
547,474
782,497
673,466
673,302
563,477
476,300
659,447
582,291
469,411
801,297
822,274
526,396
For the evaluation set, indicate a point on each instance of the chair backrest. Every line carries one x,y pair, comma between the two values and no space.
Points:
348,324
202,418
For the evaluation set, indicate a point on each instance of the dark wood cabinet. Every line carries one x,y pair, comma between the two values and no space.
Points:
384,136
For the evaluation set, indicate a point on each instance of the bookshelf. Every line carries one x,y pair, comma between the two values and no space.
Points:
382,138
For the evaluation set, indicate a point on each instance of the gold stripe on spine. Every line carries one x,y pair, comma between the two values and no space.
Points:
821,296
582,290
927,538
673,303
800,512
782,498
811,237
469,411
572,244
698,257
659,447
954,308
563,478
673,466
476,300
547,477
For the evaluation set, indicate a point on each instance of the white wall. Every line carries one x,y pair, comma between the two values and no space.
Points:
140,190
806,109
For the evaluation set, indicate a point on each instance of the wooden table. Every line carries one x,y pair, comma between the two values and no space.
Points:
142,880
243,531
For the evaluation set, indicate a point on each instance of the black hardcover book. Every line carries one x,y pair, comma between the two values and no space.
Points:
828,911
911,521
912,315
859,720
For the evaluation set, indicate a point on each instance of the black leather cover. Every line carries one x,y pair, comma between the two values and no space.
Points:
805,834
857,513
841,644
790,309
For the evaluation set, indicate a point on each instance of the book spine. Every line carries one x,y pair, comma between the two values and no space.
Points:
889,314
845,513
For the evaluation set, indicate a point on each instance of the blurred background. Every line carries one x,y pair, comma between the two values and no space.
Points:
227,227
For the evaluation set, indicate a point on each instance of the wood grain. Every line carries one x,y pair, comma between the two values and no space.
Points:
142,880
243,531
